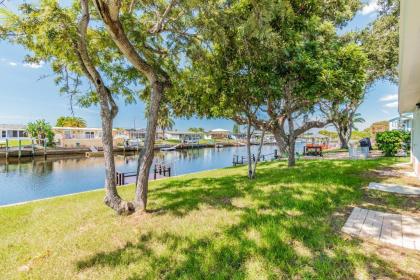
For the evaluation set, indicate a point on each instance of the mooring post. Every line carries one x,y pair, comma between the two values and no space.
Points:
154,172
253,157
45,149
33,147
7,148
242,159
275,154
169,172
20,149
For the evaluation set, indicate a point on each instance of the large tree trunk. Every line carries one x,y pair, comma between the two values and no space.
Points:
344,139
112,199
281,144
291,160
291,141
108,112
254,171
146,155
248,150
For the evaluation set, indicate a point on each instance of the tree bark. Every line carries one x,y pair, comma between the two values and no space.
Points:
248,149
254,171
291,142
281,144
158,80
291,160
108,112
147,153
343,141
112,199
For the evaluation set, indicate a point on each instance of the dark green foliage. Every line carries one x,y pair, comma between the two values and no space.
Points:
41,130
390,142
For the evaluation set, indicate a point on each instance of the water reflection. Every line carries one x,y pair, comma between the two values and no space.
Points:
34,179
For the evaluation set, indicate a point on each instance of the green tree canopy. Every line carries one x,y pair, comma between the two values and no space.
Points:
70,122
41,130
270,63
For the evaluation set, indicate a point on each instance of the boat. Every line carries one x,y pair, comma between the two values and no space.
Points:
168,149
218,146
173,148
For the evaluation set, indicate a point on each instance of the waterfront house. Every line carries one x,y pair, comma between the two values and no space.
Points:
378,127
219,133
133,133
13,132
409,73
184,137
75,137
402,122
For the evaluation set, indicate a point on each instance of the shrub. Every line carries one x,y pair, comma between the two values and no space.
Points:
390,142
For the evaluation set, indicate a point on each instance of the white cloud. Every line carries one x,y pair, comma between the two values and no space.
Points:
371,7
391,104
34,65
12,63
389,97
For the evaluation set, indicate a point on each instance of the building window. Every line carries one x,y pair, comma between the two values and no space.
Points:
90,135
14,133
23,133
3,134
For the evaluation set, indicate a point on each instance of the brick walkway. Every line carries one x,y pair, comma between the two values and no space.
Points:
399,230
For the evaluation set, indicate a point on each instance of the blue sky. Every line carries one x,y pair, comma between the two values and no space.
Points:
25,97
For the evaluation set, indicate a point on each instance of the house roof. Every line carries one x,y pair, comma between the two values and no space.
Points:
409,60
77,128
12,127
403,117
219,130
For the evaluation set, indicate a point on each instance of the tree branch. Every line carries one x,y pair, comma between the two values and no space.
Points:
158,27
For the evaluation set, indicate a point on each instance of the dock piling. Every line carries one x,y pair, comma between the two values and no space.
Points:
7,149
20,149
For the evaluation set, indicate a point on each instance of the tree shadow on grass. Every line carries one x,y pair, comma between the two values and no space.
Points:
284,232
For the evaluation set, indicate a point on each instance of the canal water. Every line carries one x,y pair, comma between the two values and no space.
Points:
38,179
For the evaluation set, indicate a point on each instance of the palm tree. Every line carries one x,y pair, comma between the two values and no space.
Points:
165,122
345,122
71,122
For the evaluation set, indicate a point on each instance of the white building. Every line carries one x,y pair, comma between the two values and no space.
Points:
403,122
219,133
13,132
409,72
187,137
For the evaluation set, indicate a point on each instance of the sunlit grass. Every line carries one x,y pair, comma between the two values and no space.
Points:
211,225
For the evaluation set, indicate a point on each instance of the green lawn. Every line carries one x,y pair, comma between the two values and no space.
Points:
167,142
211,225
15,143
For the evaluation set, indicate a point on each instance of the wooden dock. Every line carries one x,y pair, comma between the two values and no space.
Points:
159,171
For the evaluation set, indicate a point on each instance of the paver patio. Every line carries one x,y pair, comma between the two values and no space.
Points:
393,188
395,229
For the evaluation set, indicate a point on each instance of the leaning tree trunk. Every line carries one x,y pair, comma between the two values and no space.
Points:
112,199
281,144
291,141
344,140
248,150
146,155
254,171
108,112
